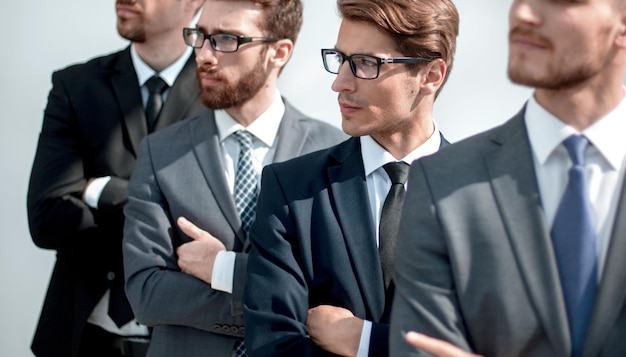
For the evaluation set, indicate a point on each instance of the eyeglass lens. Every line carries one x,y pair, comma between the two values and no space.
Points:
362,66
219,42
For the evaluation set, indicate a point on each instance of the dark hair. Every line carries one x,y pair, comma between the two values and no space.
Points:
419,28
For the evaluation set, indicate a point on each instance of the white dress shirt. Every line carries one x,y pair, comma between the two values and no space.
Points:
264,130
378,184
99,316
604,165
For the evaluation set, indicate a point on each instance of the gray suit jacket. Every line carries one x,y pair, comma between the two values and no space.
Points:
179,173
476,265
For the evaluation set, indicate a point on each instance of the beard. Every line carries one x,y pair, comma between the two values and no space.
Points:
131,29
233,94
559,72
557,76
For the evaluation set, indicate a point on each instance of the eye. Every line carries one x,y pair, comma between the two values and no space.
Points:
224,37
365,61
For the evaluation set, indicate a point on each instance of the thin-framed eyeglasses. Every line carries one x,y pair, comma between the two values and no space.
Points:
222,42
362,66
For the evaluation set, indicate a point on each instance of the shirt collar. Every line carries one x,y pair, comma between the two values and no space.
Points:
546,132
375,156
264,128
169,74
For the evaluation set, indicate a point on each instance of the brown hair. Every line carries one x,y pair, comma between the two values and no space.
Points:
283,18
419,28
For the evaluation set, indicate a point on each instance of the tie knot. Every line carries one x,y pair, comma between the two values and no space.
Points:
576,145
398,172
244,138
156,84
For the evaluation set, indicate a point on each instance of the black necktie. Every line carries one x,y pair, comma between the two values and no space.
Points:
119,308
390,218
156,86
574,240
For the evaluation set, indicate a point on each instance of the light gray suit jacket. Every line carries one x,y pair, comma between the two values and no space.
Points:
179,173
476,265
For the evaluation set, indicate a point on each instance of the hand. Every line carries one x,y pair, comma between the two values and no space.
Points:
197,257
335,329
435,347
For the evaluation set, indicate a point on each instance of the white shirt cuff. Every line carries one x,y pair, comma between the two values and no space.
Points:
223,271
364,343
94,191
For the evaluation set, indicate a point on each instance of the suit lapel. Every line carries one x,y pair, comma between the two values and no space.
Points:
612,290
206,146
349,193
127,92
181,97
291,136
511,170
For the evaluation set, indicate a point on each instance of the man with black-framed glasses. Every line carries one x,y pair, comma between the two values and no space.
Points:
320,267
193,192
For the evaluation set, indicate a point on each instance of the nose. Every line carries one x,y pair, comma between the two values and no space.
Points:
344,81
524,12
206,54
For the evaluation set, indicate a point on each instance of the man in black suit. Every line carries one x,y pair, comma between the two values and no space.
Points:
92,127
316,283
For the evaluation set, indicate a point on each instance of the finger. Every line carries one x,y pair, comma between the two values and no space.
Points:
431,345
189,228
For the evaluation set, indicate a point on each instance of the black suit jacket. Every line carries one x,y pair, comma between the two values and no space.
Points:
313,243
93,123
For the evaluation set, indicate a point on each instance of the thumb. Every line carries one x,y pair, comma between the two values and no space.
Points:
190,229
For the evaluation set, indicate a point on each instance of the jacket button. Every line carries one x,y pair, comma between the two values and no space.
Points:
217,327
110,276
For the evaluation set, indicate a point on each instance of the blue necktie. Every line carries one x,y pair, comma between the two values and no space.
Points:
245,180
246,190
574,239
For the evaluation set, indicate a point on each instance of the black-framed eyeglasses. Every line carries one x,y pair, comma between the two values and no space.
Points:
222,42
362,66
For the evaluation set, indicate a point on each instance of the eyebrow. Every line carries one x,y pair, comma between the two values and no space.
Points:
219,31
355,53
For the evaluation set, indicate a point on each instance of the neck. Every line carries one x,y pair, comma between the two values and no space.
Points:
246,113
583,105
400,142
159,53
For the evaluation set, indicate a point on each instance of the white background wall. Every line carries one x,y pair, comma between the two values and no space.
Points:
38,37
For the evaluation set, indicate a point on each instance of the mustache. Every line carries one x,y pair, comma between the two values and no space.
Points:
125,2
348,99
214,73
528,34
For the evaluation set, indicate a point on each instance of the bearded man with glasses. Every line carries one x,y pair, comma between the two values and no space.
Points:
323,244
193,192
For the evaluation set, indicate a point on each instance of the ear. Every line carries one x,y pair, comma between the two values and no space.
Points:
620,40
196,5
280,52
435,74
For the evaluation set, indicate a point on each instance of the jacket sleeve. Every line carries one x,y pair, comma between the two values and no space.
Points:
159,293
276,296
57,216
